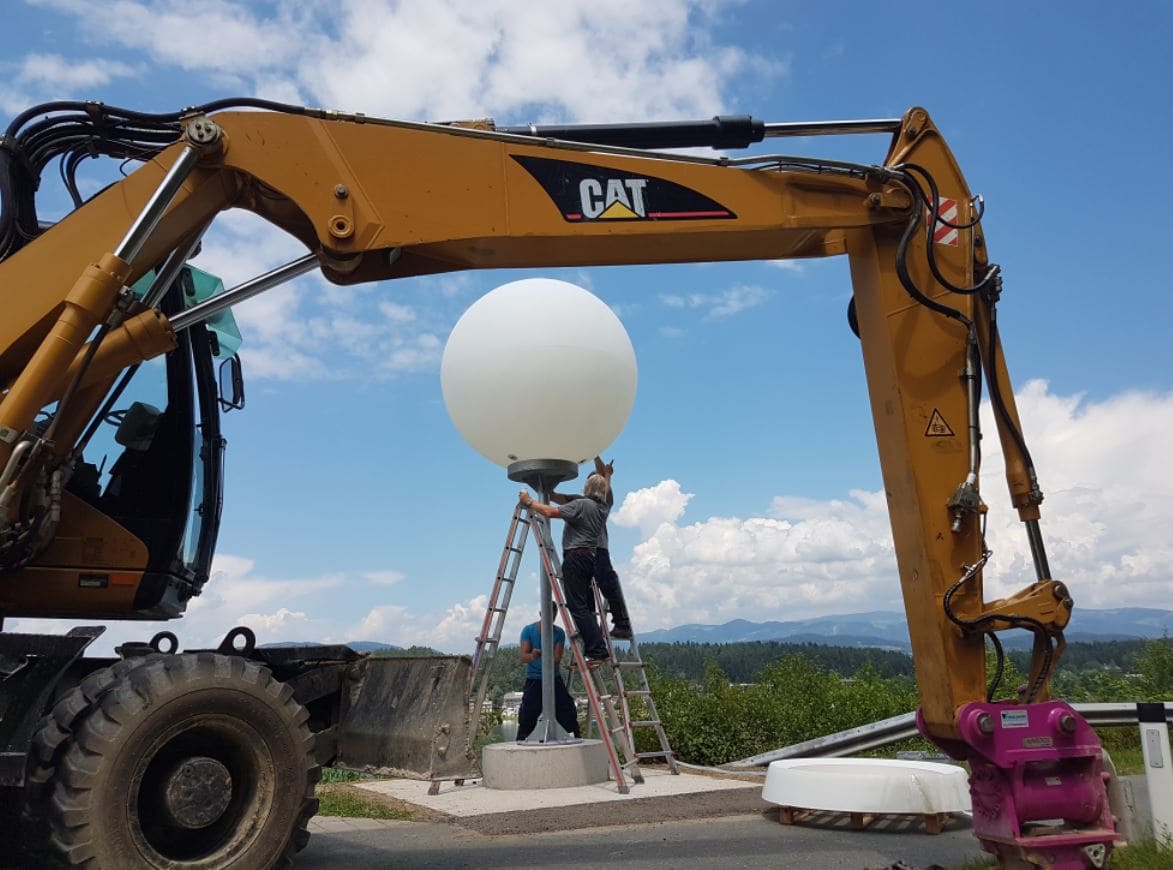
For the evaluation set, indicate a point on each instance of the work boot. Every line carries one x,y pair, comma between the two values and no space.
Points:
621,622
622,631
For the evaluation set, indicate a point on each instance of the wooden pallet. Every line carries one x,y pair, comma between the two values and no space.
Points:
933,822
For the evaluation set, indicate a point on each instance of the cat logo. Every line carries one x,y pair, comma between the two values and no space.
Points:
583,192
618,199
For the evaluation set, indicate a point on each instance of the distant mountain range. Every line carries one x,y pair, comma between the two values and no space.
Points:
889,629
356,645
884,629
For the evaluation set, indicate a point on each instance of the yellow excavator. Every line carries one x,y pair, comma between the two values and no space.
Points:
111,346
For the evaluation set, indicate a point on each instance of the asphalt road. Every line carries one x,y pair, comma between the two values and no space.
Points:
744,841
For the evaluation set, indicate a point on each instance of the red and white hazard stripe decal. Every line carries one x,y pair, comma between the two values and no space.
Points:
943,234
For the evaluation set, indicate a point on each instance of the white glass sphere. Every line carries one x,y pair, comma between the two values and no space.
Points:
538,369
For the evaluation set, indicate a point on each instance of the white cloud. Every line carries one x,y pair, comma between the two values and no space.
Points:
383,622
397,313
214,35
41,76
308,329
1107,479
283,619
234,595
55,74
384,578
1104,467
723,304
575,60
579,60
646,509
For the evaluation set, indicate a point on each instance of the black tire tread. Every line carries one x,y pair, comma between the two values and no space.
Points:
50,741
112,700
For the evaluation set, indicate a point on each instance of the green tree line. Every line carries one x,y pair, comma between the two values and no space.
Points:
745,662
715,720
722,702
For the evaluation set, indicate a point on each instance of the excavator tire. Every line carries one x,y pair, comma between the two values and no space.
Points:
50,740
197,761
57,728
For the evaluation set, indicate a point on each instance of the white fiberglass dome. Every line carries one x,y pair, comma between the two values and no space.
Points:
538,369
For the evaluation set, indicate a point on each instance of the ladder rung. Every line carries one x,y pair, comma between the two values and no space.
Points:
496,610
643,723
658,754
629,664
631,692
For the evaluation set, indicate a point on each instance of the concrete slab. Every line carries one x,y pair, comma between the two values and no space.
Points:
473,798
528,766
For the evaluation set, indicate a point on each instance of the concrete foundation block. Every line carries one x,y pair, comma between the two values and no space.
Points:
518,766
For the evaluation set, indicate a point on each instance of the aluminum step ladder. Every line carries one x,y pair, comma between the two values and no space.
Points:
634,717
489,639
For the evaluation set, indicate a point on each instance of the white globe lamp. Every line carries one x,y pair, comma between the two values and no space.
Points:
539,376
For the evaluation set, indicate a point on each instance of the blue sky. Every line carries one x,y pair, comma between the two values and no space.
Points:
747,473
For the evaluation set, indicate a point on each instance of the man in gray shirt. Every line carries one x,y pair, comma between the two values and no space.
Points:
585,519
605,576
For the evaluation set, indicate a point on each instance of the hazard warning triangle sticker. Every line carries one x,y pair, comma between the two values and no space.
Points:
937,427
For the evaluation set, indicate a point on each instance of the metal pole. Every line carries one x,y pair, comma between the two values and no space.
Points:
241,292
542,475
548,729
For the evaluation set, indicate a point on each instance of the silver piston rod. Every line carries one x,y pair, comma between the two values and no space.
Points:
241,292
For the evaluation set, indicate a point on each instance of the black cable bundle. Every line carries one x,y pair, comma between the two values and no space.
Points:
70,132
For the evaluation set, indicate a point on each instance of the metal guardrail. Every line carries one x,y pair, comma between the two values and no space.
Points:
903,727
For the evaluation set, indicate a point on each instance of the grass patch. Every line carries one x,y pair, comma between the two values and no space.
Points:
1129,762
1142,855
340,799
330,774
1148,854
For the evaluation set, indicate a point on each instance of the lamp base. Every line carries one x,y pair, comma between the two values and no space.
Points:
542,474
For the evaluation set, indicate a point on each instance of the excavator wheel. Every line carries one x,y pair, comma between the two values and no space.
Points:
186,762
51,739
57,728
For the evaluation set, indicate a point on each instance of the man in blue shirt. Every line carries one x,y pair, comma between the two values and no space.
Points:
531,698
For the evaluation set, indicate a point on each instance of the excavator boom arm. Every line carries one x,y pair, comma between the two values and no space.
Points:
378,200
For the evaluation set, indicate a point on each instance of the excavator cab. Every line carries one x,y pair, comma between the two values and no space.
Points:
152,463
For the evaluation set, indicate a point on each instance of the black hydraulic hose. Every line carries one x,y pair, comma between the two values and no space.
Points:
902,263
999,402
70,131
1000,664
930,251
